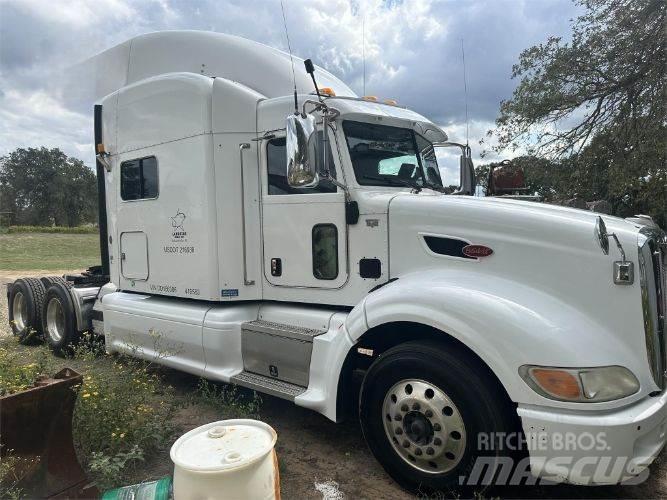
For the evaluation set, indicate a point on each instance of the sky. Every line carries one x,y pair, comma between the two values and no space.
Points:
412,53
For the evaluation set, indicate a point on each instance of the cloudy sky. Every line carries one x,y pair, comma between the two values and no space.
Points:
413,52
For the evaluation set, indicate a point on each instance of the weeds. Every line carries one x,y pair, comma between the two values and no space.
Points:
11,467
123,413
228,399
123,410
18,374
108,469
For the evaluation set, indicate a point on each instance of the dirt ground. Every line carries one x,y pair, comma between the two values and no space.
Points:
320,459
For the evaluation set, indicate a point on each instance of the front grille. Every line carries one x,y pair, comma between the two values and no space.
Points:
652,262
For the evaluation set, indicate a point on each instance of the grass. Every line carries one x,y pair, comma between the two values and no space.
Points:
124,413
44,251
90,229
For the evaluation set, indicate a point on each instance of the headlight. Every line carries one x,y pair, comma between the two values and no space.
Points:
582,385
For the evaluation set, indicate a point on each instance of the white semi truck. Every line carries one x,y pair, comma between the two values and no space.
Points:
304,246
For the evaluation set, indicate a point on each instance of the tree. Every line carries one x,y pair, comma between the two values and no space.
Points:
596,105
610,76
44,187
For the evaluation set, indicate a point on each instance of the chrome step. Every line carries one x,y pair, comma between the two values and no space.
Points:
281,330
268,385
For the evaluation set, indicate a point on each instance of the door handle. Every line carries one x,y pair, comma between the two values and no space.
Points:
246,281
276,267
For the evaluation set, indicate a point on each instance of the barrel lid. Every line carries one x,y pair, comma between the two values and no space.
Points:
223,445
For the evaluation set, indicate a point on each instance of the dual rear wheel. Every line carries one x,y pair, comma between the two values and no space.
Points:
43,308
58,318
26,299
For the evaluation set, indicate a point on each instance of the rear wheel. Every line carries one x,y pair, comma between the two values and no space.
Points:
422,408
58,318
25,309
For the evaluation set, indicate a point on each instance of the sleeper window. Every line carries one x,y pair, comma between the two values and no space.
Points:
276,160
138,179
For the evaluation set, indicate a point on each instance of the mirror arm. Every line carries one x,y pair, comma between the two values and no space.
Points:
327,175
329,112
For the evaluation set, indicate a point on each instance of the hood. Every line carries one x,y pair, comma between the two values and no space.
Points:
549,249
523,222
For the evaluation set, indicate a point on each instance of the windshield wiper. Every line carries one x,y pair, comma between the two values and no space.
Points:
393,182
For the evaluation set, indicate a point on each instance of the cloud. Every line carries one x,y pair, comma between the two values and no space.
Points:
412,52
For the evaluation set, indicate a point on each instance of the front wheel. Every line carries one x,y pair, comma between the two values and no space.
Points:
422,408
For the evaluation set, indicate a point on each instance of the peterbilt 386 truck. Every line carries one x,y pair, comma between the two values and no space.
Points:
299,240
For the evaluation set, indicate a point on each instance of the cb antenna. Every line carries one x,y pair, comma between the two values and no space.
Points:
363,48
289,48
310,69
465,90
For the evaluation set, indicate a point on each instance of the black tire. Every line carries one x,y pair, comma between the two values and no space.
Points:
59,324
481,403
28,296
50,280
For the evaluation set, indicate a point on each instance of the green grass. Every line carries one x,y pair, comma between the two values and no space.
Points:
53,229
43,251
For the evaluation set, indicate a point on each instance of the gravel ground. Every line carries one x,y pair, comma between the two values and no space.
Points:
320,459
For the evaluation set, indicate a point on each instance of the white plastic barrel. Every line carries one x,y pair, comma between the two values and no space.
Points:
228,460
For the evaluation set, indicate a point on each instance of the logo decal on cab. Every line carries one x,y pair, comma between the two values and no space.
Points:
476,251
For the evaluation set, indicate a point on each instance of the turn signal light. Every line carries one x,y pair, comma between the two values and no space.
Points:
371,98
558,383
391,102
327,91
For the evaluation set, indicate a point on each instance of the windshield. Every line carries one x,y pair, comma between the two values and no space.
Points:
391,156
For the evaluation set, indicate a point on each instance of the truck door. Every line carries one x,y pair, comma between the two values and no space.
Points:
304,230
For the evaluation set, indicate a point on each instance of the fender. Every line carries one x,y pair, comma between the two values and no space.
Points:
506,323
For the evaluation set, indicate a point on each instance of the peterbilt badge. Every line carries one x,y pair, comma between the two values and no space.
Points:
476,251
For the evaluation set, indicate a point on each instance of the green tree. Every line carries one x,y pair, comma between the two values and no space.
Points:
44,187
611,75
598,102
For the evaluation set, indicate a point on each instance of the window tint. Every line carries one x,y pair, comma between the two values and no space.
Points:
138,179
130,180
325,252
382,155
391,156
276,159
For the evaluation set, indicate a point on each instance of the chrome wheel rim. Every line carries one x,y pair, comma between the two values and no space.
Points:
20,311
424,426
55,320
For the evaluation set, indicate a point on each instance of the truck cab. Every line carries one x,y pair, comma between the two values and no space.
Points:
310,246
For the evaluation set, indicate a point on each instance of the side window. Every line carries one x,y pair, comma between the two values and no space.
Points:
429,160
138,179
325,251
276,160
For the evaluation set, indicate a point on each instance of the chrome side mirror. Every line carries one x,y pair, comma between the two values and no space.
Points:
301,151
624,270
467,175
601,235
